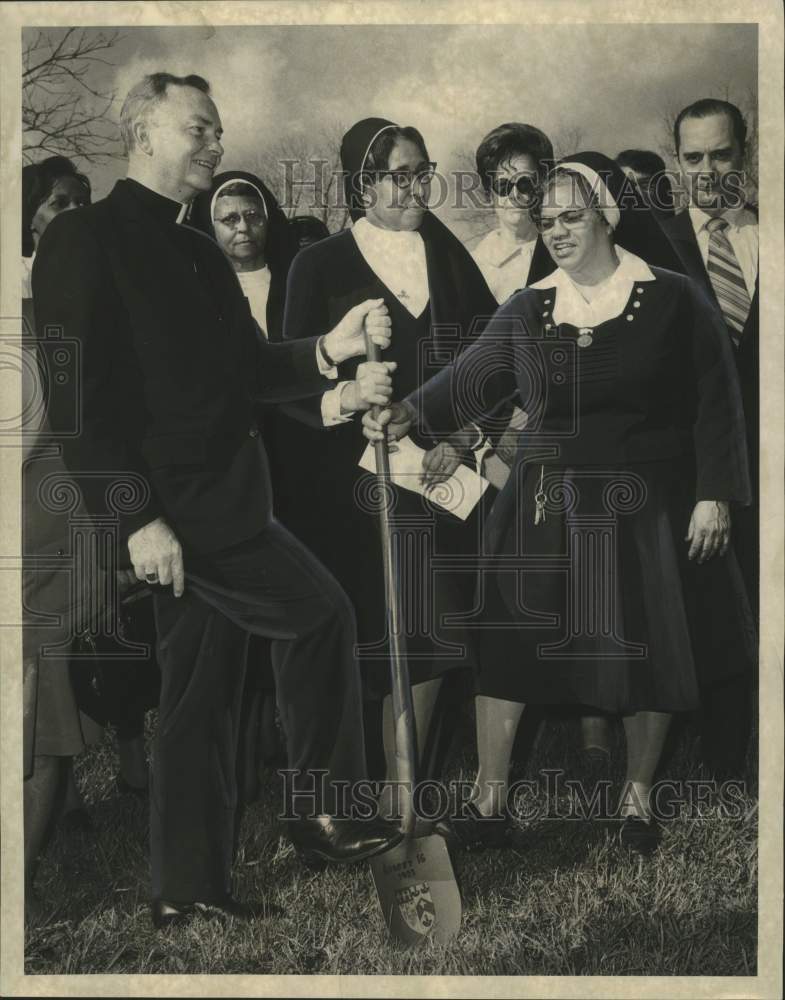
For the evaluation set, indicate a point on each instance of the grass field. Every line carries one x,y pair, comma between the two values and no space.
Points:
575,903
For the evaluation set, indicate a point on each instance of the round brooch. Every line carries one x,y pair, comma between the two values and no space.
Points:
585,337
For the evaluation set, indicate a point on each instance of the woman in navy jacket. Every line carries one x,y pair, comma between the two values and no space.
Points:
612,531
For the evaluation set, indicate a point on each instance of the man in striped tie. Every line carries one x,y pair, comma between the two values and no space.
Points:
716,238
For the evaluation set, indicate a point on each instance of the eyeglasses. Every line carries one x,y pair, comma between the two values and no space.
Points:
405,178
523,187
573,218
233,219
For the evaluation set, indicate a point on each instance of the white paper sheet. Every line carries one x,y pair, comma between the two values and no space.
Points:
459,494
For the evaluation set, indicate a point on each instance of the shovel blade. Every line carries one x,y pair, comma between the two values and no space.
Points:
417,890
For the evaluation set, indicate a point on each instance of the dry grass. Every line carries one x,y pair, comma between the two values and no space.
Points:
574,904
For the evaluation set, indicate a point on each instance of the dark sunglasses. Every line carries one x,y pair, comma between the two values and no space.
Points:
524,188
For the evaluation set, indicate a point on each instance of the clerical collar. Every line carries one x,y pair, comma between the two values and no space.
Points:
162,208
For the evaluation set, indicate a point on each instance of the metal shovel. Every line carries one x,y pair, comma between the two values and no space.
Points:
414,881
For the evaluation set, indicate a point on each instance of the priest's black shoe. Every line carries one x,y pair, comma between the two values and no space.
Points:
166,914
322,839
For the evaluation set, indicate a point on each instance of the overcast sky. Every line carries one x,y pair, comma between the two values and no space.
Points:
455,83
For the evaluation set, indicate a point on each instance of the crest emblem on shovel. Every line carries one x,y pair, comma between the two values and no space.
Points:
416,906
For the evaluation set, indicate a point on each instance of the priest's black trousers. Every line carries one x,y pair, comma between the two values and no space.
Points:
273,586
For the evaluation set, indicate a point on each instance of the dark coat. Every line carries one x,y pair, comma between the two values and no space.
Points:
170,368
55,600
680,232
325,281
323,496
670,394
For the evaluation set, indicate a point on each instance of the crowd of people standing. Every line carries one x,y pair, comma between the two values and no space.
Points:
594,358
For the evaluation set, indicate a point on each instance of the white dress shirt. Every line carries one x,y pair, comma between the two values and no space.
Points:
504,262
742,233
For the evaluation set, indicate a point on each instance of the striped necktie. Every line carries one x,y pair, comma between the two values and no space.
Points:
727,279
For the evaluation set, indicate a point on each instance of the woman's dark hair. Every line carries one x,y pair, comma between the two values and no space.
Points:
509,140
38,181
642,161
378,157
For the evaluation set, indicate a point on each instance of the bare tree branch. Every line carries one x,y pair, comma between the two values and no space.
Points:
304,174
63,111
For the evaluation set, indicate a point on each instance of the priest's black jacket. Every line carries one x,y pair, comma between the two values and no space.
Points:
161,370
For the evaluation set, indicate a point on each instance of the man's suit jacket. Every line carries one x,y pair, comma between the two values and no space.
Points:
680,232
167,368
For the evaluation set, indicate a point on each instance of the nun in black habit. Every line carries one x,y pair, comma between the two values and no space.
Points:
438,300
243,216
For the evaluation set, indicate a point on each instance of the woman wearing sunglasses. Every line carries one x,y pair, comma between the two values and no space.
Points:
397,250
621,591
511,161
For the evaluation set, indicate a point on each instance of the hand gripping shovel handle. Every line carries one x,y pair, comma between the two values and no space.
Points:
403,714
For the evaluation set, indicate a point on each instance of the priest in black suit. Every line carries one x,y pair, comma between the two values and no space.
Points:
716,238
169,377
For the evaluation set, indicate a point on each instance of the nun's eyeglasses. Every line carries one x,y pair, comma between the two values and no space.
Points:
405,178
573,218
233,219
523,187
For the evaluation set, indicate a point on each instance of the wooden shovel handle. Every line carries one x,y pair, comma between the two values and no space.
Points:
403,713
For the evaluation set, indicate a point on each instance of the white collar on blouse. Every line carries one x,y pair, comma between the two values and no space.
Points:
398,260
610,300
498,248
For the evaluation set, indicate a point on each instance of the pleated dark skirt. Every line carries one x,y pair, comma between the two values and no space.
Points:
598,604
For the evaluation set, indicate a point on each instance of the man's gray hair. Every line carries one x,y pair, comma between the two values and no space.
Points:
145,95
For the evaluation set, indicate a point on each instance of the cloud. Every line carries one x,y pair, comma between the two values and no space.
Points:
244,71
614,84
